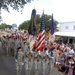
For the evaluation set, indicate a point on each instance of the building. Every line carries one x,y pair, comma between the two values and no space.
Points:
14,27
67,32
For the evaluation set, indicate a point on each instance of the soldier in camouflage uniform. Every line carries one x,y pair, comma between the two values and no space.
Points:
19,60
15,47
48,61
43,62
35,62
10,51
3,44
25,47
26,63
38,63
30,63
7,47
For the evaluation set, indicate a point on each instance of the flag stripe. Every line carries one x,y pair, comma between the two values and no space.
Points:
40,42
43,41
41,46
41,36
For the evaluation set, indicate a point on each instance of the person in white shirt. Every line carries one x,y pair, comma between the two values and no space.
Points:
71,52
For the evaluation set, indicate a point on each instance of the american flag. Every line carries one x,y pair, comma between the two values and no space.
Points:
41,35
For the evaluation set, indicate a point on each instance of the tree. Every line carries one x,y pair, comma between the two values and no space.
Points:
38,18
15,4
47,21
3,26
26,24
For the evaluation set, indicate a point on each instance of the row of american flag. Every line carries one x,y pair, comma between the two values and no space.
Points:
40,36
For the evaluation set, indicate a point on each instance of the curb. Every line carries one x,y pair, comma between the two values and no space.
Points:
59,71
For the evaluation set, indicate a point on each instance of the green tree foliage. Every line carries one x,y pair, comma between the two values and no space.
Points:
3,26
15,4
38,18
47,21
26,24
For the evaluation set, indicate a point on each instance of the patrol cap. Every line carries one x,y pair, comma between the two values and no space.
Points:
19,48
23,38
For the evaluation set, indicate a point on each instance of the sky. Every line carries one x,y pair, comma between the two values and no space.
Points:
63,11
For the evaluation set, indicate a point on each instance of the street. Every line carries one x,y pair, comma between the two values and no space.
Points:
7,66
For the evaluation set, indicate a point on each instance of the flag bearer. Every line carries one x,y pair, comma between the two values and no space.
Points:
43,62
26,63
39,62
19,60
30,65
35,62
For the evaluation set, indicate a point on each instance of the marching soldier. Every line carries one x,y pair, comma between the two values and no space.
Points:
19,60
43,62
26,62
48,62
38,63
3,44
30,57
35,62
25,47
7,47
15,46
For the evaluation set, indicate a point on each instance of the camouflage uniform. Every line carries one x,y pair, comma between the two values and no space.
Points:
35,62
38,63
44,62
19,63
26,62
16,45
7,47
3,44
25,47
48,61
11,47
30,63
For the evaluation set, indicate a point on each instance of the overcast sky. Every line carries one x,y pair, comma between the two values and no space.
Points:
63,11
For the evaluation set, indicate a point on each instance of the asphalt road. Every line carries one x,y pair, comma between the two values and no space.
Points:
7,66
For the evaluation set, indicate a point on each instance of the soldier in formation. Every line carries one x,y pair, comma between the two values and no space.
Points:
29,58
19,60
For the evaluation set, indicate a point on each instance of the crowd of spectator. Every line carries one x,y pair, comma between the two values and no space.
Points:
65,58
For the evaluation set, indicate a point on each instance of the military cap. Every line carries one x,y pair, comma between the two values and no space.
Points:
19,48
